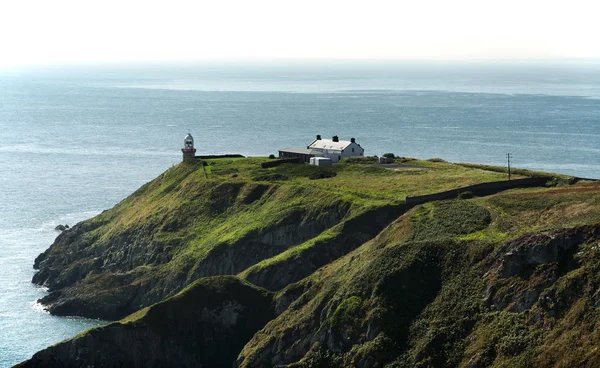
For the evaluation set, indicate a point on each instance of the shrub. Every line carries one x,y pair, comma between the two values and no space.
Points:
448,219
465,195
436,159
389,155
404,159
359,160
348,315
272,156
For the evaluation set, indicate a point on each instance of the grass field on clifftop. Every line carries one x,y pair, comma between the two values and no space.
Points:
356,181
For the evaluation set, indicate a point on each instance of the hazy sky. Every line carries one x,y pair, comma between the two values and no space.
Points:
66,31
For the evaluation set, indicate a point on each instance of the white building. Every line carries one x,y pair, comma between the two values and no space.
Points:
189,152
320,161
335,149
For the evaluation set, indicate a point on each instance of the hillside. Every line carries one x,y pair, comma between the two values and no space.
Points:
186,224
346,273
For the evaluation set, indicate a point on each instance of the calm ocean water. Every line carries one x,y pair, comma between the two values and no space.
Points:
75,141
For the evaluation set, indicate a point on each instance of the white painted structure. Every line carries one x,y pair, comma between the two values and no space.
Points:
336,149
188,147
320,161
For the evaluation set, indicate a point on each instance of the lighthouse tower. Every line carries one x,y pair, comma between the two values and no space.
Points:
188,147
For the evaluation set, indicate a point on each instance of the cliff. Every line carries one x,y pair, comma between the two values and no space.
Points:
190,223
205,324
356,277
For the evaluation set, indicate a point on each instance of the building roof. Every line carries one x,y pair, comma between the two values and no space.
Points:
188,138
301,151
330,144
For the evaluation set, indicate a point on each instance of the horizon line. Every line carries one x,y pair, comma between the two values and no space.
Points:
292,61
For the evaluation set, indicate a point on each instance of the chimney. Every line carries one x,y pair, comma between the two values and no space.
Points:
352,140
318,137
335,138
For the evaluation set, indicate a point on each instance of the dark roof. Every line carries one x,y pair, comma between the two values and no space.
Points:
301,151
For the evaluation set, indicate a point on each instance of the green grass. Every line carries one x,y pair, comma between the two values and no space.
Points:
412,296
196,213
417,291
189,218
359,182
516,212
449,219
515,171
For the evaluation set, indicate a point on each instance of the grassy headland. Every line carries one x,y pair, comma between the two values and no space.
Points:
195,221
359,278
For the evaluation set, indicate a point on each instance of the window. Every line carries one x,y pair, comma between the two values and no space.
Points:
352,149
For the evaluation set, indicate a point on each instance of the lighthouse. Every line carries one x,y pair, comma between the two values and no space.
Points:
188,147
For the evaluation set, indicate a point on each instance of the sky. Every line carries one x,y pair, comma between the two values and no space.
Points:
34,32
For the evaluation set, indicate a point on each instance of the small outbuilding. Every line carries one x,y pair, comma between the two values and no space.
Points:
320,161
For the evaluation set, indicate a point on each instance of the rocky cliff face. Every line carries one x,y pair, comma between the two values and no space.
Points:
350,235
425,303
94,274
181,227
205,325
428,303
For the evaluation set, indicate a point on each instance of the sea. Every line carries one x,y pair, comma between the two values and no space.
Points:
77,139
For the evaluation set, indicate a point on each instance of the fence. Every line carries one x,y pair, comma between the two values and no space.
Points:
209,157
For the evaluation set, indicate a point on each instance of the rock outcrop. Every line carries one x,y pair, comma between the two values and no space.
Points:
405,304
352,233
205,325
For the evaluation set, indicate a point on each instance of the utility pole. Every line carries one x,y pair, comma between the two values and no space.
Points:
508,157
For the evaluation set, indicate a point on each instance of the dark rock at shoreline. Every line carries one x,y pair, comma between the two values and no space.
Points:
206,325
61,227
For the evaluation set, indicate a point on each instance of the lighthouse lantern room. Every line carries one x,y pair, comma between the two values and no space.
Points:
188,147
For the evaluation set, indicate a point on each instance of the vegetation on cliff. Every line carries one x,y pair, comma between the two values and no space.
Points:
356,277
490,297
195,221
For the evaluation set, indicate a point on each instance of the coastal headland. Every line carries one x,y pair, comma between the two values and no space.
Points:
221,262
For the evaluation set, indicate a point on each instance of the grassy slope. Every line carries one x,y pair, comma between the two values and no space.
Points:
414,296
375,187
192,222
